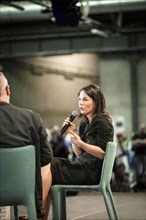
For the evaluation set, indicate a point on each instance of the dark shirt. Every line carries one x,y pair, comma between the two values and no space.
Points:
137,145
20,127
98,133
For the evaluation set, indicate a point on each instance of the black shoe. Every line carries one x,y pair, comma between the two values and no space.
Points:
24,217
41,213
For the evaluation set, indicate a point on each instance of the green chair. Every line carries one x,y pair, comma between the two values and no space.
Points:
17,179
58,192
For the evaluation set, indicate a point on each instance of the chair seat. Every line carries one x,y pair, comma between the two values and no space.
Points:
76,187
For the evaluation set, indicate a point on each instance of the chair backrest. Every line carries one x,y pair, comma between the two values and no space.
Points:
108,164
17,175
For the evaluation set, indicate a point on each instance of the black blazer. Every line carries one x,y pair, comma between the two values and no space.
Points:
99,132
20,127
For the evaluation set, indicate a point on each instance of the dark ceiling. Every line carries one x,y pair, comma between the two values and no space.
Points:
102,17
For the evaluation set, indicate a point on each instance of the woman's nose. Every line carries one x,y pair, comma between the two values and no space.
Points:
80,102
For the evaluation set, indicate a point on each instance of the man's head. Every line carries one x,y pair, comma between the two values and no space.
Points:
4,88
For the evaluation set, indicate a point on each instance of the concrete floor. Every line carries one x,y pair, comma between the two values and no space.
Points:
90,206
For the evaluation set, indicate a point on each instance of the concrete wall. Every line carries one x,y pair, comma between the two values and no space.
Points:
141,79
51,94
49,85
115,81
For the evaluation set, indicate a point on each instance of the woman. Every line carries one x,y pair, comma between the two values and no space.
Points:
95,130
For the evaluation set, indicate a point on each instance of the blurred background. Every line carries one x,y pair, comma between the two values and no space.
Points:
49,49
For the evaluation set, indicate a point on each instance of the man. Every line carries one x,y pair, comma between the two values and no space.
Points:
20,127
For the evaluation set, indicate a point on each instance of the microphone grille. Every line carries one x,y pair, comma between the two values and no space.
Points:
75,113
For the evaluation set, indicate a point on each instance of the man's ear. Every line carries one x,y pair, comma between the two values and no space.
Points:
8,90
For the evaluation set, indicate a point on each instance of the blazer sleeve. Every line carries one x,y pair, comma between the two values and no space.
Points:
46,152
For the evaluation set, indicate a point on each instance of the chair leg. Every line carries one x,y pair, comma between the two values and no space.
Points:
31,210
58,204
16,212
110,204
63,205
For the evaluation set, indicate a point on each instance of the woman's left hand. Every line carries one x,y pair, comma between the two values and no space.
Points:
75,139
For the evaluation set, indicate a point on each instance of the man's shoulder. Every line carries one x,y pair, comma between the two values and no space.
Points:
24,111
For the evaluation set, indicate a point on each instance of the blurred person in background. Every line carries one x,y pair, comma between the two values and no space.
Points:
139,147
58,143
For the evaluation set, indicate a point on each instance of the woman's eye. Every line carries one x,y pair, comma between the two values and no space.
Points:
85,99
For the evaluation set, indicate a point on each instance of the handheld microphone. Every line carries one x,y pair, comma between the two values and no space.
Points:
72,117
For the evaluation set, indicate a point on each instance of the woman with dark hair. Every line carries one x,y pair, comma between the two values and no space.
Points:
95,130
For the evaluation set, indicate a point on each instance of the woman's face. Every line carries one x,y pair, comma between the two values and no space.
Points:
86,104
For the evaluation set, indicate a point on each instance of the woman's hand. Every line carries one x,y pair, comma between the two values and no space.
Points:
79,146
72,126
75,139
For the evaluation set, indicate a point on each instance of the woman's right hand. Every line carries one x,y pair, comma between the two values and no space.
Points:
72,126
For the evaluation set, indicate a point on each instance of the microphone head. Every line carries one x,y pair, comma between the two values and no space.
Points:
74,113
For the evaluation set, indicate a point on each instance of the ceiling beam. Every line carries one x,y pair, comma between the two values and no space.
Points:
46,45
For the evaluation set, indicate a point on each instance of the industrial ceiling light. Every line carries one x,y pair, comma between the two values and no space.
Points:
66,12
99,32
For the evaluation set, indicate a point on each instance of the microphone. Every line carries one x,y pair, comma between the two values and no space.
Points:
72,117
